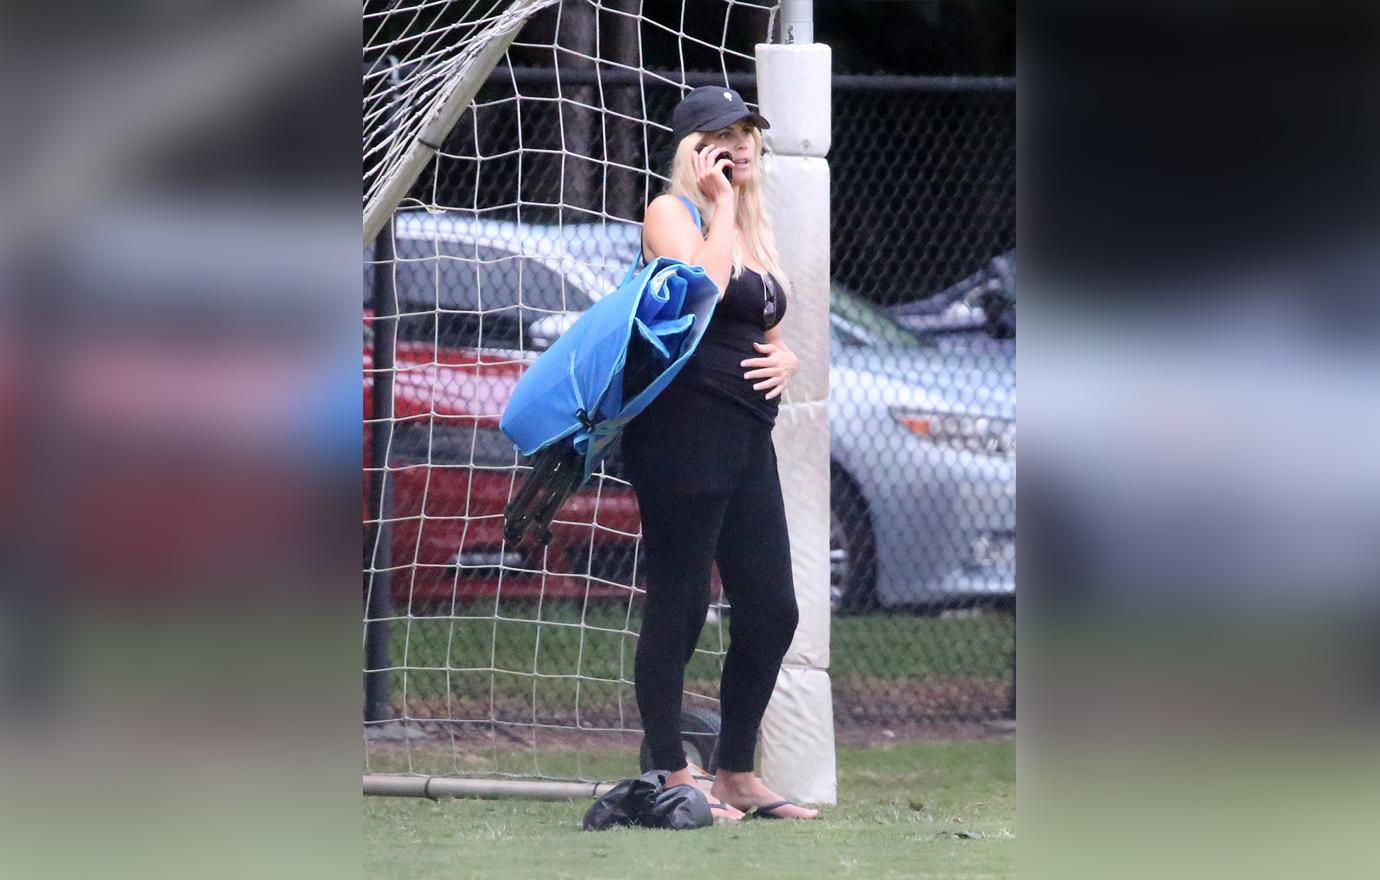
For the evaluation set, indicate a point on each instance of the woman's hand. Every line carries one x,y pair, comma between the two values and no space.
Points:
775,367
709,174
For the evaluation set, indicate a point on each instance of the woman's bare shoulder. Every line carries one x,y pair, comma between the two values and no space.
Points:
666,208
668,230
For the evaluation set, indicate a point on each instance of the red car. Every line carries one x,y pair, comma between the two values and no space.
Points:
450,473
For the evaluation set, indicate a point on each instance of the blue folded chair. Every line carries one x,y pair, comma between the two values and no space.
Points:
568,409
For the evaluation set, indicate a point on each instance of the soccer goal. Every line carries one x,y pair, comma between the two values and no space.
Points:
509,150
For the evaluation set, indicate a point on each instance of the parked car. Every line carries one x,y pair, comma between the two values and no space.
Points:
976,314
477,301
922,465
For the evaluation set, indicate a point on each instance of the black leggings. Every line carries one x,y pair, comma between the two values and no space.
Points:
705,475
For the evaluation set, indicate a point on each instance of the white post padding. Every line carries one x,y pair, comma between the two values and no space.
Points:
798,729
797,195
793,87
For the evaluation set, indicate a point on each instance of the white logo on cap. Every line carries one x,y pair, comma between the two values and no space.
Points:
728,96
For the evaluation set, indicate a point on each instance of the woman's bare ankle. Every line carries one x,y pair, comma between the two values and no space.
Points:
735,774
683,776
734,782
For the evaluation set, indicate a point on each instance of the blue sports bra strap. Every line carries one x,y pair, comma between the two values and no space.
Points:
694,212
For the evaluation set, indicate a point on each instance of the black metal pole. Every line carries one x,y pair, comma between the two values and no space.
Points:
378,602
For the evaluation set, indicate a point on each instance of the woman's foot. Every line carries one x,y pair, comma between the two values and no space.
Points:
745,791
723,811
703,778
719,808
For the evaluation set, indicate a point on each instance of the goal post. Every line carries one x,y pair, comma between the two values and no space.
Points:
443,82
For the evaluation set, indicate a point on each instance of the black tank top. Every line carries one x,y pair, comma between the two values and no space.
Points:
753,304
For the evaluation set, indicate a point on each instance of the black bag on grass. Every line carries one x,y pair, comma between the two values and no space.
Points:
646,802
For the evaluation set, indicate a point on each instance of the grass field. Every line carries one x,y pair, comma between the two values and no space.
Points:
942,809
532,654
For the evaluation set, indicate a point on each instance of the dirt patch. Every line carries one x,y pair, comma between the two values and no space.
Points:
888,703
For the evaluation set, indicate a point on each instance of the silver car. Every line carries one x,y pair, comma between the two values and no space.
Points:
923,470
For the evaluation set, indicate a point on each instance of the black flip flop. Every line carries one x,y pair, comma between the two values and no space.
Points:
765,811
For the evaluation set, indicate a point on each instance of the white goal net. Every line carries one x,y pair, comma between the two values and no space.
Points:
509,150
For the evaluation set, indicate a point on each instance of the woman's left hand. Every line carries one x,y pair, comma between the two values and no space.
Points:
774,368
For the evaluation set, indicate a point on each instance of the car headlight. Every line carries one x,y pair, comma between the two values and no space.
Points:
986,434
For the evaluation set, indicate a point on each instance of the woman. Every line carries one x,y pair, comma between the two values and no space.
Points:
701,459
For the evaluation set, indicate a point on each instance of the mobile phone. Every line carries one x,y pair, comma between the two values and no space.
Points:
725,154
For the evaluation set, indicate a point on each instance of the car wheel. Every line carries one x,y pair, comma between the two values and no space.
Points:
699,735
852,548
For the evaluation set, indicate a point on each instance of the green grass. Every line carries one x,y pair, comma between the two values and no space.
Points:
899,811
549,640
892,646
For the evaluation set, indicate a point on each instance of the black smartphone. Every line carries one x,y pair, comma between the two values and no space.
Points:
725,154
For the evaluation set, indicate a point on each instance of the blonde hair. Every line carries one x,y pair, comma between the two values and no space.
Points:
753,220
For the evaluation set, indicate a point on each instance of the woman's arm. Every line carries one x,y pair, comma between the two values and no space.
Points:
669,230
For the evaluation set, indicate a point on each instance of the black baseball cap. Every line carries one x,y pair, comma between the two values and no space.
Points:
710,108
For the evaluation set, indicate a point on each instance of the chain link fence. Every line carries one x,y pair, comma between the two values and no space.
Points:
492,645
922,405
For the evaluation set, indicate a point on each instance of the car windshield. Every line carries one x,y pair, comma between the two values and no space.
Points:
867,323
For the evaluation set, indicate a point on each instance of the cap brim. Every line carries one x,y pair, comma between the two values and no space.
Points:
729,117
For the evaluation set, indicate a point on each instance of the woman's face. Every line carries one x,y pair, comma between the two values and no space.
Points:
737,139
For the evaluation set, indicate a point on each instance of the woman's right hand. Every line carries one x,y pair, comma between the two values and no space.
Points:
709,174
